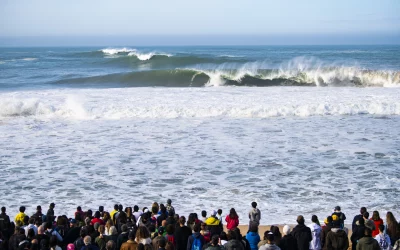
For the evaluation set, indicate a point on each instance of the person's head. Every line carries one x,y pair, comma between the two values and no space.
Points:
164,223
223,236
101,209
254,204
276,232
300,220
97,214
232,213
87,240
72,223
110,245
79,209
375,215
232,235
381,228
70,246
53,241
140,246
116,207
101,229
31,220
215,240
131,235
124,228
162,242
204,213
40,230
135,208
219,211
270,238
253,228
203,226
196,228
286,230
328,220
22,209
89,213
337,209
113,230
170,229
49,225
3,209
169,246
142,233
363,210
368,231
52,205
366,215
182,221
169,202
31,233
390,218
314,219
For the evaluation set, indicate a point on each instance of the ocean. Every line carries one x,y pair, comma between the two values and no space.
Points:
298,129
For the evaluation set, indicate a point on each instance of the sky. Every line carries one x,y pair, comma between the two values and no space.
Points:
207,21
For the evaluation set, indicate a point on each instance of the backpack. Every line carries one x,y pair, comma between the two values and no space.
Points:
383,243
197,244
49,234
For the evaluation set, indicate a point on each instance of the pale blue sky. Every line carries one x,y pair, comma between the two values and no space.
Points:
128,18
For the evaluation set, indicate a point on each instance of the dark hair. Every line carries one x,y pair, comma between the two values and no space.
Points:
361,221
300,219
330,219
162,242
368,231
182,220
31,233
215,239
101,209
116,206
83,233
381,227
232,213
204,213
232,235
270,236
363,210
49,225
266,234
3,209
276,233
375,215
135,208
170,229
169,246
97,214
253,228
254,204
223,236
110,245
140,246
22,209
196,228
120,207
79,208
53,241
219,211
366,215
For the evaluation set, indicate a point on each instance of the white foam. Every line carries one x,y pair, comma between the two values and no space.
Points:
206,148
114,51
147,56
29,59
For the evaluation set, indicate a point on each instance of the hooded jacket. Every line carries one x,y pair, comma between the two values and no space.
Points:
19,218
253,239
191,240
303,236
337,240
288,242
234,245
269,247
181,237
368,243
214,225
381,238
325,230
316,231
255,216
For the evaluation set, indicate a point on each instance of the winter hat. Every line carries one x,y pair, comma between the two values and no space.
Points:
71,247
213,212
286,229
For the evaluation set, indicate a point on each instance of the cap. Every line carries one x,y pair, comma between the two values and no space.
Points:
337,208
169,201
213,212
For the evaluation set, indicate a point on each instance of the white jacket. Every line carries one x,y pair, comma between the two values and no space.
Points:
315,243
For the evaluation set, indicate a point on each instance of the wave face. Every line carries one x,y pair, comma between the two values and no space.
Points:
201,67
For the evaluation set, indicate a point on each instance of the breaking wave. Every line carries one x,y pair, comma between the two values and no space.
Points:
245,76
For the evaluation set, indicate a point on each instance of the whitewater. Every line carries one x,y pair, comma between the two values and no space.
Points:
297,129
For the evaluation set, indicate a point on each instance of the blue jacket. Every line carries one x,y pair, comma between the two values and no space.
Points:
253,239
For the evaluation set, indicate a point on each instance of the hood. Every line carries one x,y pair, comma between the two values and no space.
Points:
196,235
212,221
367,240
314,227
234,244
339,232
271,246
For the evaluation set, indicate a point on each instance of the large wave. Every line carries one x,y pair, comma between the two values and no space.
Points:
334,77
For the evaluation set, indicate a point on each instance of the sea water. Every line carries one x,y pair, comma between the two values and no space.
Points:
299,130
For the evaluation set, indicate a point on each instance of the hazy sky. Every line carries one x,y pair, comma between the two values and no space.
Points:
126,18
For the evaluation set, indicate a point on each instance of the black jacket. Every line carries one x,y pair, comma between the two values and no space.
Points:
71,235
123,237
303,236
288,242
181,237
357,234
356,218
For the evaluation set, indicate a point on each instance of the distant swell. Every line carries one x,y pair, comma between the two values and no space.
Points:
333,77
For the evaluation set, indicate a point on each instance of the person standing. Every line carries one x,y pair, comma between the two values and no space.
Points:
182,234
50,213
254,215
337,238
5,224
316,230
302,234
367,242
232,219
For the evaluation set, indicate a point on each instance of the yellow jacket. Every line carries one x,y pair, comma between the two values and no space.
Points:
211,221
19,218
112,213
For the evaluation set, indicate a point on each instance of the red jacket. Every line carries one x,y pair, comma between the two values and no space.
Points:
94,220
377,223
231,223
